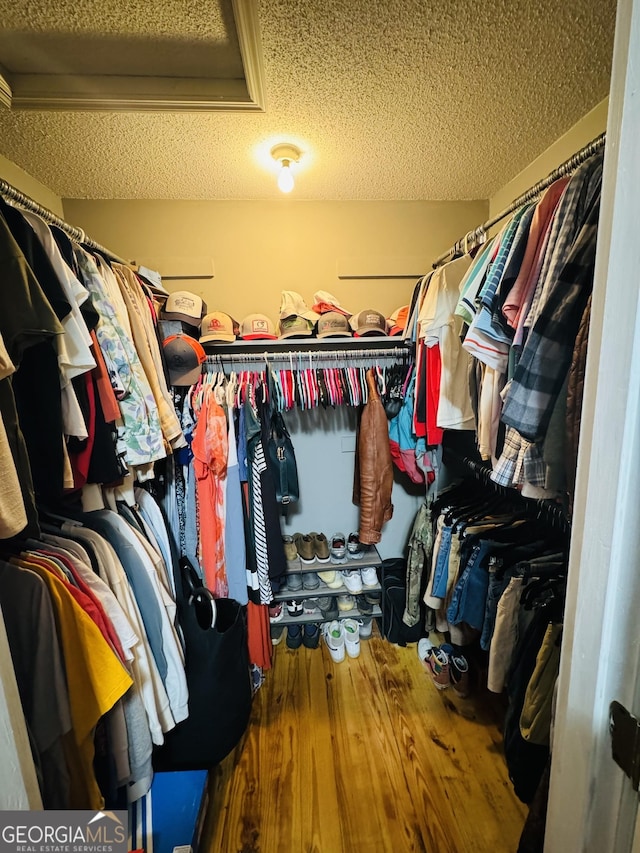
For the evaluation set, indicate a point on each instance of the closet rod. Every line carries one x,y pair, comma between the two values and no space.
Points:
544,509
479,234
303,355
77,234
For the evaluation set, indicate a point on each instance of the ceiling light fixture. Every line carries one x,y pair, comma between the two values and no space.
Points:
285,155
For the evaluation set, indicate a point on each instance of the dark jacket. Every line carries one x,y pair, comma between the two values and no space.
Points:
575,390
373,479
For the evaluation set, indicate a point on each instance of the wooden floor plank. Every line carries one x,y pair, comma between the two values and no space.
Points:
364,756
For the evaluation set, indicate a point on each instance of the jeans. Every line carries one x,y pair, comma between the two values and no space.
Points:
498,582
441,568
470,594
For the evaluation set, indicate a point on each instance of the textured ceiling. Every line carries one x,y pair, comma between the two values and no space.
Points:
392,99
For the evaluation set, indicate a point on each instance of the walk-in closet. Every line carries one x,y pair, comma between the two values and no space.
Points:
318,385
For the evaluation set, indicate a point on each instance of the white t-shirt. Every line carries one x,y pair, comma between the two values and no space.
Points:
440,325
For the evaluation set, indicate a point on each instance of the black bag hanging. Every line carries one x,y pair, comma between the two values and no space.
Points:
282,461
218,678
394,595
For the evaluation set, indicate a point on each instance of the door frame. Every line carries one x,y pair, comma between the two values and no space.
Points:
591,804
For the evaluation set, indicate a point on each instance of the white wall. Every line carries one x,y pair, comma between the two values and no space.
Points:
324,442
30,186
590,126
256,249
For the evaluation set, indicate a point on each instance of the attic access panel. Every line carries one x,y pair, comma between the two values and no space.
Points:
97,55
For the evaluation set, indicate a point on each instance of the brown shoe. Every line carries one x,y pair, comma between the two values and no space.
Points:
290,550
321,547
305,548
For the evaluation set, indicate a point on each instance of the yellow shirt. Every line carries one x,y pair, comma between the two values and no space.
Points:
95,679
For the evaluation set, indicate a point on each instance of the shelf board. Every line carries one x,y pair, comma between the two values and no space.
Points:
305,344
323,591
305,619
370,559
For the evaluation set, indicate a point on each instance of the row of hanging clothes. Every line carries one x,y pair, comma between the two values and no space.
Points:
310,380
488,569
501,335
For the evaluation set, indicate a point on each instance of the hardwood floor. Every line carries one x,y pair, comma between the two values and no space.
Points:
365,756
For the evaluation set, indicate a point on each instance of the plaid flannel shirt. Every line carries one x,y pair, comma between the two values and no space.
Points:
547,353
520,462
570,214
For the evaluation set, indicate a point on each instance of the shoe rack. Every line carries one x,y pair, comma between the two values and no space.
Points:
370,559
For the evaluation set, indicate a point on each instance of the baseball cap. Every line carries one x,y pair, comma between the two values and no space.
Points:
217,326
293,327
323,302
185,306
293,305
369,322
183,356
398,320
257,327
333,325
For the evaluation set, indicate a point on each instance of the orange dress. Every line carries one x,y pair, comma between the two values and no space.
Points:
210,451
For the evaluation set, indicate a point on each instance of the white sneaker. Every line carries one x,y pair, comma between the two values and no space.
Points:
369,576
338,548
352,580
333,634
424,648
327,577
351,637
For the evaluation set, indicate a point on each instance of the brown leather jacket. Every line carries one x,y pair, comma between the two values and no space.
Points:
373,478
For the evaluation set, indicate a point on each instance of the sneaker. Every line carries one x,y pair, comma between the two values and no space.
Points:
321,547
365,624
355,549
374,598
369,576
338,548
333,635
310,580
365,608
294,607
311,635
327,577
352,580
438,666
424,648
328,608
294,636
276,612
294,582
311,607
336,583
304,546
290,550
346,602
459,674
277,633
351,637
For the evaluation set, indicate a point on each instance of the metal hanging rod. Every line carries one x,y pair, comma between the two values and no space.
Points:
300,358
479,234
77,234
